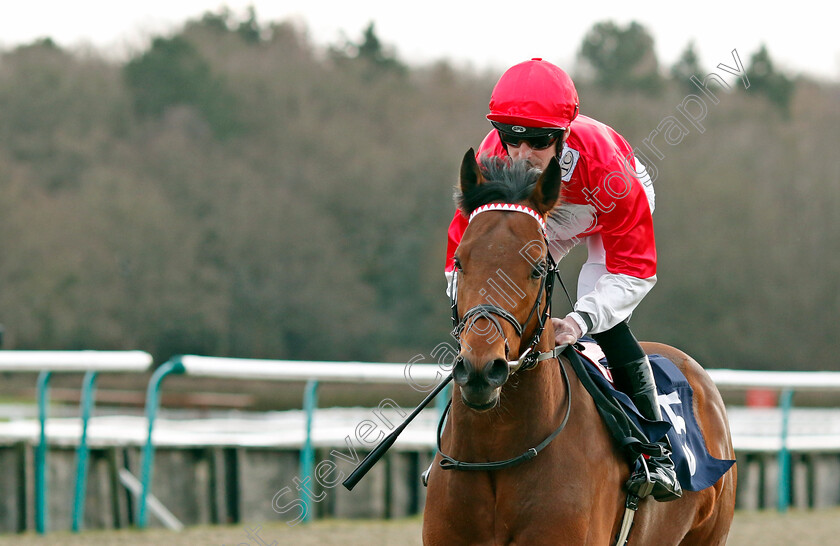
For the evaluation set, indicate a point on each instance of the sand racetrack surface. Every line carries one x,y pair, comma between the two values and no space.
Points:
750,528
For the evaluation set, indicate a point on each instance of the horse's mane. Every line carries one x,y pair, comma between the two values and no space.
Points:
504,181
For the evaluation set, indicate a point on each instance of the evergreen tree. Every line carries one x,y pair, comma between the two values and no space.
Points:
686,66
765,79
622,58
174,73
372,53
249,29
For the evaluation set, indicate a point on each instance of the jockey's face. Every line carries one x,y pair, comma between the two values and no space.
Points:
536,158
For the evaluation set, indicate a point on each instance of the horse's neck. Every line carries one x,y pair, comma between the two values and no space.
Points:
531,405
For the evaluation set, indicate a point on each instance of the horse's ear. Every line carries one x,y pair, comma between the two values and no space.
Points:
470,173
547,190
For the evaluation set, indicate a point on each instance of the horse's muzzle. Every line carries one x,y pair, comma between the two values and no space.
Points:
480,386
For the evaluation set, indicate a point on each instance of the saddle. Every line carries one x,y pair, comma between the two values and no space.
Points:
637,436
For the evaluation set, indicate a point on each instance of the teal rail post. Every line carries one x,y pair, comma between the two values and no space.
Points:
785,403
152,401
307,453
88,389
43,393
442,400
440,406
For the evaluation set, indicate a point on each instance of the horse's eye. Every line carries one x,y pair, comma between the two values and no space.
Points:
539,270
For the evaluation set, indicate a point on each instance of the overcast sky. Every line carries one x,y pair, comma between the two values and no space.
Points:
802,38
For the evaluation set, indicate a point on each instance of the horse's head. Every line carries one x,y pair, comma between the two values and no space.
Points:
502,268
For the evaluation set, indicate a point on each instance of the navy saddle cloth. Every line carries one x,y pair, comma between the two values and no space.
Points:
696,468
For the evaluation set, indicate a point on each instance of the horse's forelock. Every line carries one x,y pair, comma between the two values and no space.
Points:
504,181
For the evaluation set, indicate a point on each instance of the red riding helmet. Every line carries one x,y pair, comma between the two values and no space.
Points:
535,93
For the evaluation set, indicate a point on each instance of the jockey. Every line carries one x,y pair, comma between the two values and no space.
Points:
606,202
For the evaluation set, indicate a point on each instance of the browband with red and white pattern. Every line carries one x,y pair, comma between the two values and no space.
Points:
515,208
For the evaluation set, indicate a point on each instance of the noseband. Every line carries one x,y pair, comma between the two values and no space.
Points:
529,357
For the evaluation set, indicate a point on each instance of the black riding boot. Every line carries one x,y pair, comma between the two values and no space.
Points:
632,375
637,376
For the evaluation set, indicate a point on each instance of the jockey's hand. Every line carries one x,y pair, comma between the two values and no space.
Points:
566,331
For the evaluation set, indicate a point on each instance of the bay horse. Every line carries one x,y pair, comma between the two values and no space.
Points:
571,492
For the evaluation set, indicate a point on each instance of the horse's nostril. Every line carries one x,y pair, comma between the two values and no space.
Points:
461,371
497,372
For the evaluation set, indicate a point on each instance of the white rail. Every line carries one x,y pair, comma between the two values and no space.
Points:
46,363
74,361
297,370
420,375
783,443
746,379
367,372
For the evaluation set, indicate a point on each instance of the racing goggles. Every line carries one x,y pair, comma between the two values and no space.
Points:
537,138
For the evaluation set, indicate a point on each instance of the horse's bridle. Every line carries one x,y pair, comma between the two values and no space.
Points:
527,359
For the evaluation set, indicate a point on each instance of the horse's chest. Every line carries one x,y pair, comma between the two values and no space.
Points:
524,515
